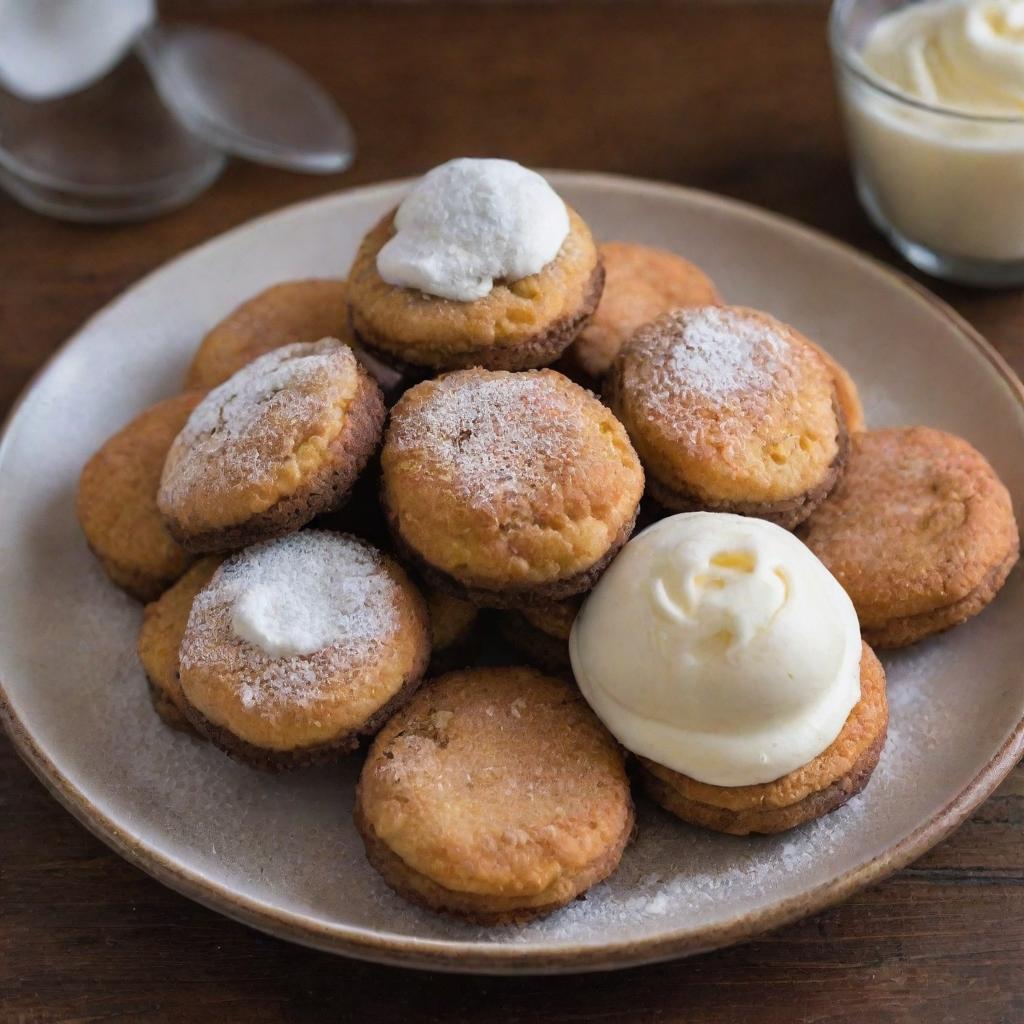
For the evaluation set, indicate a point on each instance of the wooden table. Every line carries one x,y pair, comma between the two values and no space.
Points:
734,97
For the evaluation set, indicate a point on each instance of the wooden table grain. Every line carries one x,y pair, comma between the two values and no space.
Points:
734,97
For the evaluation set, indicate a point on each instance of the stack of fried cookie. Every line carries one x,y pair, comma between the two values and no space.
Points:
364,476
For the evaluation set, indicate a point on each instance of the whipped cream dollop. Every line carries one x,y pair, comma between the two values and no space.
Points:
468,223
964,54
720,647
50,48
306,592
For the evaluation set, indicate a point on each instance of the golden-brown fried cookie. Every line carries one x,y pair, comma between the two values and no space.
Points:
163,626
920,533
518,325
285,313
116,501
730,411
496,795
280,442
452,623
542,632
508,489
641,283
299,646
841,771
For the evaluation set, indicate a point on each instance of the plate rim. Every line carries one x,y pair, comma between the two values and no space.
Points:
475,957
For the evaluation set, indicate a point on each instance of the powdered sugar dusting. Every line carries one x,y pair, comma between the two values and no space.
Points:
287,616
711,358
244,428
720,353
496,437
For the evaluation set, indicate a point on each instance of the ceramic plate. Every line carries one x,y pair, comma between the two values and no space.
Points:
280,853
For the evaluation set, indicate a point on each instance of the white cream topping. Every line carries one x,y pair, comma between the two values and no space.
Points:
965,54
720,647
468,223
306,592
50,48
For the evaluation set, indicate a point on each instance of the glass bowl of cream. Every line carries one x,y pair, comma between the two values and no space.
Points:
933,98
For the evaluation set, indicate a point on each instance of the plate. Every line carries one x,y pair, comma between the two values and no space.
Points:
280,853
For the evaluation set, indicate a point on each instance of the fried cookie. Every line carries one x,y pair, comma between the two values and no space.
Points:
641,283
841,771
280,442
299,646
163,626
730,411
542,632
495,795
117,501
508,489
518,325
283,314
452,623
920,532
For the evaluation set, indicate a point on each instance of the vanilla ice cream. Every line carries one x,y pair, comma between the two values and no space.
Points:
720,647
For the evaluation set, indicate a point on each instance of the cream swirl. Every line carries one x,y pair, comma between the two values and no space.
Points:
720,647
965,55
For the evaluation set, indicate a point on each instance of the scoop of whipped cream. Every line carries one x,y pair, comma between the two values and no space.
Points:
720,647
50,48
470,222
964,54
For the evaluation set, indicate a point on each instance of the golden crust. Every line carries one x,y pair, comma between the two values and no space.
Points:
285,313
728,406
117,501
307,756
920,532
417,888
339,697
163,626
787,513
641,283
518,325
817,787
289,455
466,838
900,632
520,595
508,482
451,620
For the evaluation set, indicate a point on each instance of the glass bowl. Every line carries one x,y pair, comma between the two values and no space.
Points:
945,186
